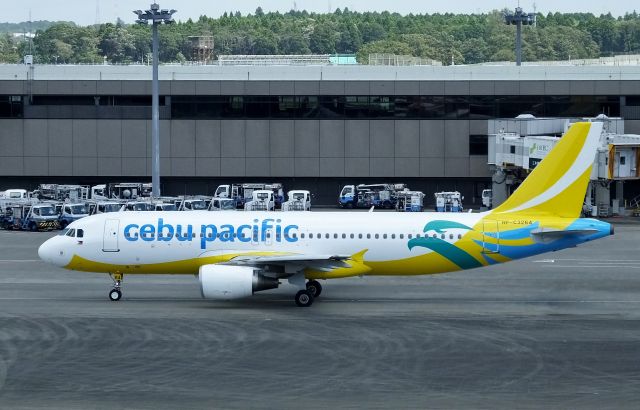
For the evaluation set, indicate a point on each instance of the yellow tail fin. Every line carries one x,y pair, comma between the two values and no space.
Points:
558,184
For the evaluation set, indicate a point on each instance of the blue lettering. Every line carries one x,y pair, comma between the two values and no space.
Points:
265,227
287,236
188,236
241,236
261,231
227,233
209,236
127,232
147,232
278,230
161,228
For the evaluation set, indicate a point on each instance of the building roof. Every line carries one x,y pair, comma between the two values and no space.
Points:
321,73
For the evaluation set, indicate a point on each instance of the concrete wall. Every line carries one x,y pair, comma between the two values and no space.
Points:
240,148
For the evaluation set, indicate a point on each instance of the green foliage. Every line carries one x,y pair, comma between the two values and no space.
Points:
461,38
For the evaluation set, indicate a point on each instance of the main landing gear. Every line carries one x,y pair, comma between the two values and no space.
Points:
116,293
305,297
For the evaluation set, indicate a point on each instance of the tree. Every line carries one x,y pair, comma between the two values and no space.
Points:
382,47
323,40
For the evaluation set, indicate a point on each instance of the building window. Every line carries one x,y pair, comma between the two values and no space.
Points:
478,145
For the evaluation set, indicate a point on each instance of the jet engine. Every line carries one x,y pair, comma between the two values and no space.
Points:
232,282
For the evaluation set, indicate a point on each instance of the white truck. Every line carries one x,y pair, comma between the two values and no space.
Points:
15,194
243,193
222,204
103,207
410,201
261,200
191,204
297,200
448,201
56,192
487,198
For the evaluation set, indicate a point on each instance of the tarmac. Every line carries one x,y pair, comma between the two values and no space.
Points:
560,330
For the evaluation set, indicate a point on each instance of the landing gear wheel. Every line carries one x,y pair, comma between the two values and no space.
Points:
115,295
304,298
314,287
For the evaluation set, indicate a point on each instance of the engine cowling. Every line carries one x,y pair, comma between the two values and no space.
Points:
226,282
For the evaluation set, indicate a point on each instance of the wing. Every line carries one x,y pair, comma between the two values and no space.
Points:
293,263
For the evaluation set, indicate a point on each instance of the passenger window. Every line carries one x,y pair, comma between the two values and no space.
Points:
359,236
459,236
80,233
368,236
450,236
442,236
301,235
393,236
409,236
326,235
384,236
377,236
351,236
310,236
344,236
335,236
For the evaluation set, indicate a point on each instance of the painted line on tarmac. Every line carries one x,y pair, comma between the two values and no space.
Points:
19,260
589,260
591,266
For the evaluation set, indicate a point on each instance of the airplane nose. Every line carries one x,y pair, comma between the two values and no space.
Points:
45,251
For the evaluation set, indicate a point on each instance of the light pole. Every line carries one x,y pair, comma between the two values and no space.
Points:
156,16
518,19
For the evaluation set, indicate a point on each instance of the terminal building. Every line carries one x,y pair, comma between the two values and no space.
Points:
311,127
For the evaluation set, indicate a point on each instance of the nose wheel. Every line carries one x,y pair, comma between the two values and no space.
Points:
115,294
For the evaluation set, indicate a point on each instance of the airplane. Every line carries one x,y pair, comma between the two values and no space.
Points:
235,254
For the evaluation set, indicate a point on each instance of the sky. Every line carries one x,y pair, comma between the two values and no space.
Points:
85,12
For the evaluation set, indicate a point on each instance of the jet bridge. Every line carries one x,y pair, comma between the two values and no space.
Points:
516,146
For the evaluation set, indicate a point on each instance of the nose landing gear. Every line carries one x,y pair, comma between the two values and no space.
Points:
116,293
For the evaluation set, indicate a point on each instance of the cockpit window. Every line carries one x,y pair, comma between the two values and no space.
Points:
64,232
80,233
71,232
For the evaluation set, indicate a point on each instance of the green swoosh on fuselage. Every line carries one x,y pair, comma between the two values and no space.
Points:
447,250
440,226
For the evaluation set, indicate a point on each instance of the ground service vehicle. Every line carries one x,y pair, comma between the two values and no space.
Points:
243,193
298,200
448,201
32,217
103,207
69,212
410,201
368,195
262,200
487,198
222,204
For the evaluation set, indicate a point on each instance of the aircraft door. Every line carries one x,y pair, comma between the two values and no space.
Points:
110,239
490,237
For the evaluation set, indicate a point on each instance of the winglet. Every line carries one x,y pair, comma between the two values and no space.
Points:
359,257
558,184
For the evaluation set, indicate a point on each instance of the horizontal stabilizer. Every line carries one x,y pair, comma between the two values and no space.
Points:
544,235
